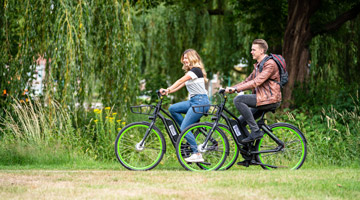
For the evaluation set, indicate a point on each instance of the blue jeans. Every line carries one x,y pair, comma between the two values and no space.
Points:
185,107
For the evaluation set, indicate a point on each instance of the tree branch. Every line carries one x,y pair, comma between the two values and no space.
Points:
216,12
350,14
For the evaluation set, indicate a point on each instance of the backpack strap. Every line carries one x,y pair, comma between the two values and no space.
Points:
261,65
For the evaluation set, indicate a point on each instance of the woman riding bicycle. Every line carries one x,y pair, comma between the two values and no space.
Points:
194,80
266,90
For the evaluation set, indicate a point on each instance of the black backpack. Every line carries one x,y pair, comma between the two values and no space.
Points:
280,61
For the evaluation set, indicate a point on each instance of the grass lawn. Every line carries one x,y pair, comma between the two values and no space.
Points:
239,183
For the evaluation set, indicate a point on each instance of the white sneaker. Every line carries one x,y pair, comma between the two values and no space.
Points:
195,158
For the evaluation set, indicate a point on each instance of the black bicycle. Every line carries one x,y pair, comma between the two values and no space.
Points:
282,146
141,145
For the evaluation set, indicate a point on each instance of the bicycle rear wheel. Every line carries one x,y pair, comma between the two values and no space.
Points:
131,154
292,156
214,153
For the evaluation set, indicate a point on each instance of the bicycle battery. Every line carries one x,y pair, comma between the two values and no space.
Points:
172,129
235,126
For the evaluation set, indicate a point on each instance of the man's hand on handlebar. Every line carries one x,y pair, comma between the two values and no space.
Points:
230,90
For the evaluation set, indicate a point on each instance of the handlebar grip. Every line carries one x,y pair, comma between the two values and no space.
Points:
158,93
222,91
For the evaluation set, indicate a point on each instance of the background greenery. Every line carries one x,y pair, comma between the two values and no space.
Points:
98,51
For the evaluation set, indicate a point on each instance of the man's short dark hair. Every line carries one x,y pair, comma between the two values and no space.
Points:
262,43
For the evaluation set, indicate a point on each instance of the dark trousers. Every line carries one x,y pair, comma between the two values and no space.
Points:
246,105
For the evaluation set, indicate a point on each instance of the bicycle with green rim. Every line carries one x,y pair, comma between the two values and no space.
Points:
141,145
282,146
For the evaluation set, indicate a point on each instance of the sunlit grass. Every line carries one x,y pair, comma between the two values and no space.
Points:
327,183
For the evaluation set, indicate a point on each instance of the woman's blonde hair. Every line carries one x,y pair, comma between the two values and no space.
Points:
195,61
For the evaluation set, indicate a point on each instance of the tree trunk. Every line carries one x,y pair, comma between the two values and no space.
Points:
296,39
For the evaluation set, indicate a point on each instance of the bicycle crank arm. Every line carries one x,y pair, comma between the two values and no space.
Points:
205,163
253,162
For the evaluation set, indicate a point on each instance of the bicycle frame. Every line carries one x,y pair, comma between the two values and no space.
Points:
173,133
242,132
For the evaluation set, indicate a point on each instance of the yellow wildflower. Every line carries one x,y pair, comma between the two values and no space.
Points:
96,110
96,120
114,113
107,108
123,123
119,129
118,120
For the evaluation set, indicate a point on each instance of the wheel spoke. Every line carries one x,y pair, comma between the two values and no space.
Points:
139,158
292,155
214,153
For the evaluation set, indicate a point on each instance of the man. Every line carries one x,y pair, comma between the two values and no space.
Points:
266,90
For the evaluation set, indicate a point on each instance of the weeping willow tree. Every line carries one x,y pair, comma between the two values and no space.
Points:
167,30
89,46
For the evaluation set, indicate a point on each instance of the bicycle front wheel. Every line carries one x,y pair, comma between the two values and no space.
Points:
292,156
134,156
214,153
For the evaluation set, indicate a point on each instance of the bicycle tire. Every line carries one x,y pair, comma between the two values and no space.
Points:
135,157
215,153
233,148
292,156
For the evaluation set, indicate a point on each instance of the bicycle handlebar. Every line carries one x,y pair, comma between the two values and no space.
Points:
222,91
158,93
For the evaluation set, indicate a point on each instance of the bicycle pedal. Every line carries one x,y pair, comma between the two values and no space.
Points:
205,163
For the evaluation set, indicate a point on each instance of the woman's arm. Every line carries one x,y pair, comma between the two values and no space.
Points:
176,89
176,86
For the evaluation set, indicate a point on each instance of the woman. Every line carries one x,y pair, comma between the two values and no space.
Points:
194,80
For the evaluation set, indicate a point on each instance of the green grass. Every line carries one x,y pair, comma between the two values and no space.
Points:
253,183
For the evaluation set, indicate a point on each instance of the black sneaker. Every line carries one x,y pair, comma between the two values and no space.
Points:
253,136
243,163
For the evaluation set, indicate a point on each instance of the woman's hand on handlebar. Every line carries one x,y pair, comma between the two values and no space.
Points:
164,91
230,90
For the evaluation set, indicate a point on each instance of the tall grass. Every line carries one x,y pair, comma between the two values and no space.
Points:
45,133
34,132
38,132
333,135
36,123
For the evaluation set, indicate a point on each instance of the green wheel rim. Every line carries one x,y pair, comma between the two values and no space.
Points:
294,133
134,152
232,157
216,166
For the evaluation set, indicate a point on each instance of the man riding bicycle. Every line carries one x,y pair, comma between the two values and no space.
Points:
266,92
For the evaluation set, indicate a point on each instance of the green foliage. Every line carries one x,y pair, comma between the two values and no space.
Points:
262,19
333,76
33,132
97,51
166,31
101,134
84,43
332,135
